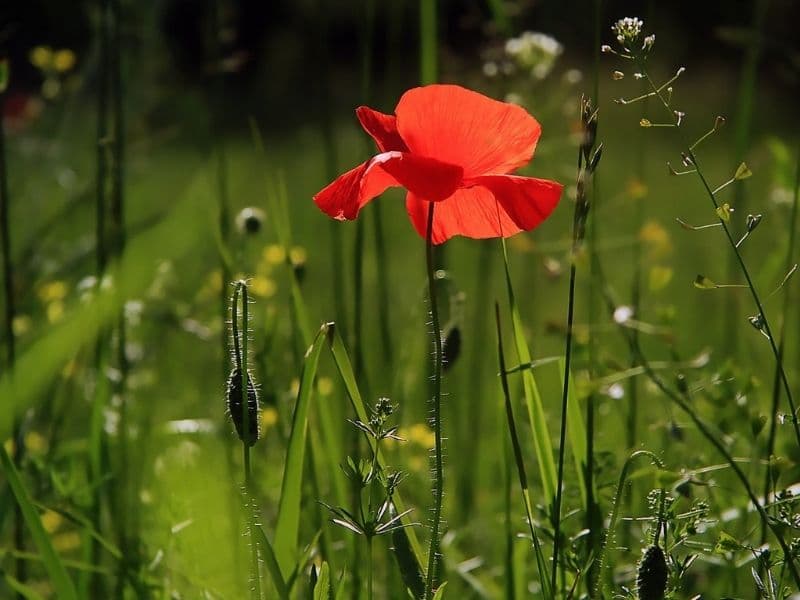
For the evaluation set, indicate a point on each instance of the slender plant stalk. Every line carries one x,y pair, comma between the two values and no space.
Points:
240,340
438,461
587,161
517,448
427,38
776,381
682,401
734,246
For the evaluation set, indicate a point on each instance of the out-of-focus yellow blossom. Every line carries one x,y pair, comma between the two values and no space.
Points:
52,290
659,277
269,417
656,239
55,311
636,189
262,286
41,57
67,541
274,254
64,60
298,255
35,442
51,520
325,386
22,324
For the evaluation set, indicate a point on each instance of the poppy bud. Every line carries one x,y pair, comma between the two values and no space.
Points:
651,578
233,401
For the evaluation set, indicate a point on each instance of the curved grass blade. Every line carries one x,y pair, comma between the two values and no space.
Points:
288,523
533,401
271,562
59,578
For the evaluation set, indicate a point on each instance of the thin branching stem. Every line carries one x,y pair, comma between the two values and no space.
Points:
753,292
682,402
438,468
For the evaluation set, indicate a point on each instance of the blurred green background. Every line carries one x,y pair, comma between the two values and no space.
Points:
295,71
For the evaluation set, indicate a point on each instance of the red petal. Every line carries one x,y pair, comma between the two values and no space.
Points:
462,127
496,206
426,177
382,128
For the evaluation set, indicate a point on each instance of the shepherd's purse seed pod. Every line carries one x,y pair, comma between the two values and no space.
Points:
651,579
233,403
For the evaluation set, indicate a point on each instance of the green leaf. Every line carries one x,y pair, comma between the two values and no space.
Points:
702,282
322,590
271,562
577,433
440,592
59,579
288,523
726,544
742,172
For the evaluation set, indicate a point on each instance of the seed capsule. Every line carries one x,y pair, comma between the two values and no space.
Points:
233,401
651,580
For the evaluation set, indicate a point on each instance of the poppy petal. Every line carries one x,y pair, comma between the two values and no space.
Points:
382,128
462,127
527,200
428,178
498,206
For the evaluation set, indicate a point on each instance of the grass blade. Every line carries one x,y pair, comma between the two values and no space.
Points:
271,562
533,401
60,580
345,368
577,433
288,523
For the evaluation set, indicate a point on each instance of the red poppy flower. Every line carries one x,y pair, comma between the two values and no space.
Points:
455,147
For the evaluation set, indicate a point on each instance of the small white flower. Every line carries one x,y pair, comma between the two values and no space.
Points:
623,314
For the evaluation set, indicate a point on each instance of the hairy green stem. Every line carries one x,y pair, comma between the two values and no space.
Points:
438,468
685,406
240,340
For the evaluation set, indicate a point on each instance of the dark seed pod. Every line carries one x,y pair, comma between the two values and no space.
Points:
233,401
451,346
651,579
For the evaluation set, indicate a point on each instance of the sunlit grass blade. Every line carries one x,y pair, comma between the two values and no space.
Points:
577,434
288,523
322,589
59,578
271,563
533,401
22,590
541,563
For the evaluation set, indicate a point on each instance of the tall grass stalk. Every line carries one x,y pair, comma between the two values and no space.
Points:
240,340
428,24
587,161
762,316
683,401
776,380
436,415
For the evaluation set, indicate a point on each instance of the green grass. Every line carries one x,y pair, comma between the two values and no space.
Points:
176,467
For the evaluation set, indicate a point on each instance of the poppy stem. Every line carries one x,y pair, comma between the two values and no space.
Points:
438,472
